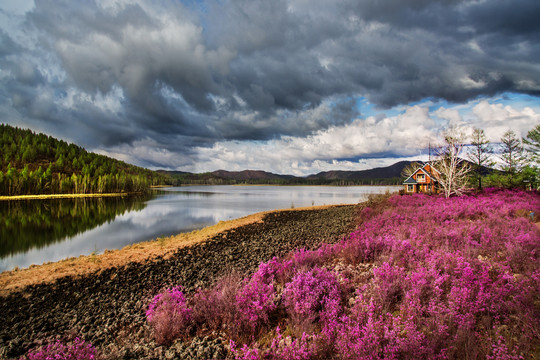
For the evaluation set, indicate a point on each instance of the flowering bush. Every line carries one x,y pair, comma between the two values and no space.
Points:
312,296
422,277
79,350
245,353
255,302
168,315
215,309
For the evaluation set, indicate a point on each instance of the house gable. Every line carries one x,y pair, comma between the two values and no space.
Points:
423,179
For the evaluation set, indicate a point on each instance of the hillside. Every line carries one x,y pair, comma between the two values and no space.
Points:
33,163
388,172
390,175
39,164
250,175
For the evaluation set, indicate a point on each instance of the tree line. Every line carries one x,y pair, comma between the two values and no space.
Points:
212,179
39,164
518,162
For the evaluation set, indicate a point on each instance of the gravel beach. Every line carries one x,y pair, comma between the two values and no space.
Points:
107,307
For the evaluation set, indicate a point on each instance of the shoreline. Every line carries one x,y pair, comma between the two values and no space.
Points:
106,306
141,252
64,196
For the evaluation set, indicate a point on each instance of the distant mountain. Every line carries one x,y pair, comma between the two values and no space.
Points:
388,172
247,175
173,172
390,175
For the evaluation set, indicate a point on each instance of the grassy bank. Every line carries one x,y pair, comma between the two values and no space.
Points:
64,196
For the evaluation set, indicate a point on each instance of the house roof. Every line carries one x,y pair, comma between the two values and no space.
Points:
410,179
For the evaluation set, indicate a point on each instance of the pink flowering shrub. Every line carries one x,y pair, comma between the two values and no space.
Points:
255,302
79,350
282,348
169,316
241,308
214,309
421,277
312,296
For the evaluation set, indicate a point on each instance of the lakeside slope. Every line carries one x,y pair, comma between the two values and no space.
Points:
104,298
163,247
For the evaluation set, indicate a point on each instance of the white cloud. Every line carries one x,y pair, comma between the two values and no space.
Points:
405,135
496,119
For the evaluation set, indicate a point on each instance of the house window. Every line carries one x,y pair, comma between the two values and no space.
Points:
420,177
410,188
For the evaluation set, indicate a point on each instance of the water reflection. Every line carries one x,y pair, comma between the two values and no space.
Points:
38,223
34,232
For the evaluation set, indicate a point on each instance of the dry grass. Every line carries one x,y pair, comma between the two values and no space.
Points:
61,196
140,252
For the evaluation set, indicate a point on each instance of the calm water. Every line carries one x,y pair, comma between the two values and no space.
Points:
38,231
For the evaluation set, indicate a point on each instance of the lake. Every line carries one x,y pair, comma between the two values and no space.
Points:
39,231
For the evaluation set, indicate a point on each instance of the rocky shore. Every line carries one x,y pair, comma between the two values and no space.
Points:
107,307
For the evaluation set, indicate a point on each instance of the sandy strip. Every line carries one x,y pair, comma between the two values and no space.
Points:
140,252
62,196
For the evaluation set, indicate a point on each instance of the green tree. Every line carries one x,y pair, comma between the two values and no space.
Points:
60,163
532,142
479,153
512,156
2,185
29,154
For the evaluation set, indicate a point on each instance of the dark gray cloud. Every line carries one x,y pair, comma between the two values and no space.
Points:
188,75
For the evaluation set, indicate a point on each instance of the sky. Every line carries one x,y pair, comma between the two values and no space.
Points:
287,86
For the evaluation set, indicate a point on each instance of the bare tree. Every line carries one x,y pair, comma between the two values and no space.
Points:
479,153
408,170
454,172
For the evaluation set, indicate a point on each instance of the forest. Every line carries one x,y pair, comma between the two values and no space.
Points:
33,163
212,179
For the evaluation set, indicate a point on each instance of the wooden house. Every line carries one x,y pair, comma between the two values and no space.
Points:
425,179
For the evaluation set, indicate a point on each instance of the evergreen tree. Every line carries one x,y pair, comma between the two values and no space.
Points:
512,153
532,140
479,153
70,168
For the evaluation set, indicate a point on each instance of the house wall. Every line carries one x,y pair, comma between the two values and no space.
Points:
425,182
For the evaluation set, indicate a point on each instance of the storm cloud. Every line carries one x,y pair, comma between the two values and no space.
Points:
162,83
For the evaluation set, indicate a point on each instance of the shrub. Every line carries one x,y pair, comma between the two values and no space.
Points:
286,348
78,350
245,353
215,308
254,303
434,278
169,316
312,296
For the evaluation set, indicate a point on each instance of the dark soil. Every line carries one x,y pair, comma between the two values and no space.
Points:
108,308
